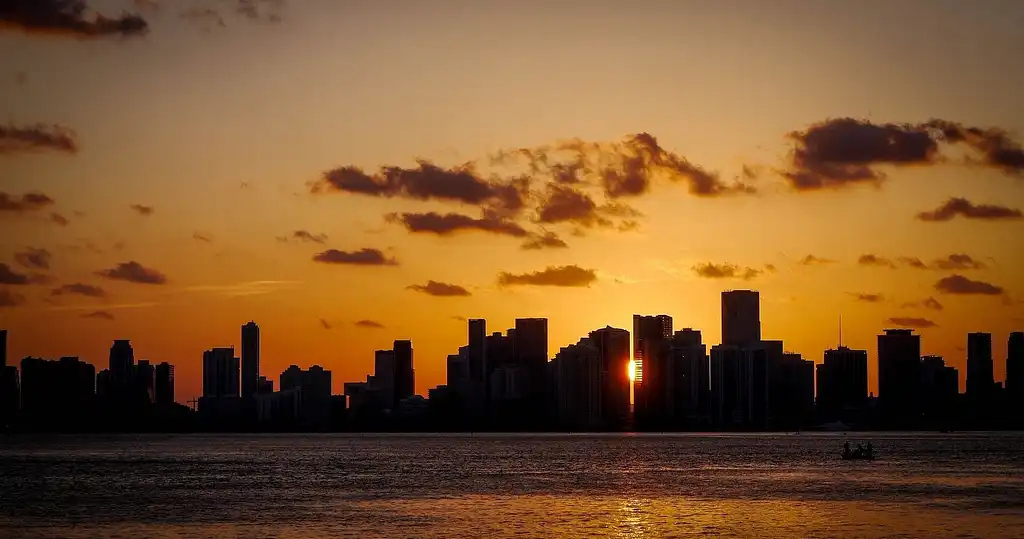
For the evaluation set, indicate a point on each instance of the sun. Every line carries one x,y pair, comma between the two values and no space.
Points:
631,370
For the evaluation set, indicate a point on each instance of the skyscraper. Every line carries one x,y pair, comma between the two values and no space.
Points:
741,317
1015,368
384,376
530,345
121,369
899,375
164,384
647,328
145,382
979,366
843,384
477,357
613,348
405,376
651,335
220,373
690,378
3,349
250,359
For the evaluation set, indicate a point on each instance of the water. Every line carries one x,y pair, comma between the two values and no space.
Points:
319,486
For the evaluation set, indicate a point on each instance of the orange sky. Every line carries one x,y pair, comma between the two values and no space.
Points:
220,134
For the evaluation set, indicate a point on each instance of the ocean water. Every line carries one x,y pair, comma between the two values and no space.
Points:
631,486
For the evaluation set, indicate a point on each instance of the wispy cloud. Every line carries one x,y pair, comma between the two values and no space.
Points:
249,288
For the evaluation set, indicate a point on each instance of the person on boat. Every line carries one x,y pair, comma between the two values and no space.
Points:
846,449
869,450
859,451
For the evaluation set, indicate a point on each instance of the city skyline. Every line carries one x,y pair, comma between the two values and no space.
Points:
159,184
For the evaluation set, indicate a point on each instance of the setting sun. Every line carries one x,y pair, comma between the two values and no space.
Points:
631,369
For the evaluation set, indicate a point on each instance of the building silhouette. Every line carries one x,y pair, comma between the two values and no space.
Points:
843,385
651,387
250,359
476,388
1015,373
899,376
741,317
164,384
57,393
220,373
119,383
3,349
405,376
689,373
10,389
980,379
530,346
384,372
612,346
576,375
940,387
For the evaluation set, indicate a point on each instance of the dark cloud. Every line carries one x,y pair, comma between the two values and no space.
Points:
451,223
35,138
913,262
547,240
565,204
145,211
927,303
133,272
99,315
875,260
770,268
435,288
844,151
459,318
199,236
58,219
958,284
964,208
710,270
369,324
811,260
305,235
909,322
428,182
9,276
34,258
266,10
868,298
362,257
628,225
551,276
10,299
28,202
80,289
958,261
325,324
67,18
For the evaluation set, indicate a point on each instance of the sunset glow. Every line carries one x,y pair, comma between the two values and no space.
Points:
631,370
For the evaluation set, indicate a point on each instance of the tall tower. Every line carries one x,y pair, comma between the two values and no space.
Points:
647,329
122,368
250,359
979,365
478,368
899,374
1015,366
405,376
741,317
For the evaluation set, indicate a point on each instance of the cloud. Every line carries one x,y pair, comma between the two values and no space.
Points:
362,257
710,270
99,315
9,276
34,258
144,211
913,262
565,204
459,318
844,151
875,260
451,223
58,219
571,275
811,260
67,18
369,324
248,288
28,202
10,299
962,207
427,182
958,284
958,262
325,324
548,240
305,235
868,298
36,138
927,303
204,15
205,238
80,289
909,322
435,288
133,272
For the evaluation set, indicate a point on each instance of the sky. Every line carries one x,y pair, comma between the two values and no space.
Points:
347,173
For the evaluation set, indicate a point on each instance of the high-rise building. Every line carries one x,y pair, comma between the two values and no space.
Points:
56,392
121,368
729,386
1015,369
477,357
979,366
689,391
612,345
405,376
940,385
576,376
741,317
530,345
3,349
843,384
384,377
145,382
164,384
657,327
899,376
796,398
250,359
220,373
